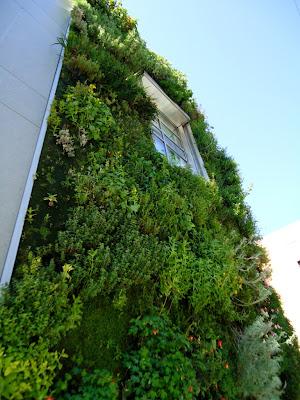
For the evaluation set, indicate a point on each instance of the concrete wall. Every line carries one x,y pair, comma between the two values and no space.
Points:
29,59
283,247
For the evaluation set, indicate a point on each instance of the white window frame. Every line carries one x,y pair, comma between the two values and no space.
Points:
170,138
176,120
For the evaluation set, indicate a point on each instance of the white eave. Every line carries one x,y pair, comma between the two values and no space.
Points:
163,102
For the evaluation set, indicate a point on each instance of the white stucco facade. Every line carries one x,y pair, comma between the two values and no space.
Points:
283,247
29,68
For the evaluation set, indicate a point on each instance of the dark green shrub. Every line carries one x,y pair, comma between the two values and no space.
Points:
161,367
88,385
214,359
101,337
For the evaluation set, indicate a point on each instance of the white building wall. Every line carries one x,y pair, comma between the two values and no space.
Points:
283,247
29,59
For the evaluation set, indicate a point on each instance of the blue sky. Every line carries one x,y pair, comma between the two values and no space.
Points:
242,61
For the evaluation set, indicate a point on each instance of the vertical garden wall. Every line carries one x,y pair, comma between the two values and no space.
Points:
136,279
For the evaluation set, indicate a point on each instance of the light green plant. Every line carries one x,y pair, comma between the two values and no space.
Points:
86,111
52,199
34,313
31,213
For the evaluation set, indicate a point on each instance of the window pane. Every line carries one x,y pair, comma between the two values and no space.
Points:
175,148
157,131
170,134
155,122
159,145
175,159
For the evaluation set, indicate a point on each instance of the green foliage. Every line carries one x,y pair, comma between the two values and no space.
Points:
34,313
214,359
215,280
100,338
90,385
82,109
171,211
102,240
259,360
223,169
161,367
114,9
27,373
127,46
175,277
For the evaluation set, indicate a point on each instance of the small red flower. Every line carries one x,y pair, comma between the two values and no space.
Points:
190,389
219,343
49,398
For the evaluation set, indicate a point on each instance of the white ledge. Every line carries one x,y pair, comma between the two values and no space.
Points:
163,102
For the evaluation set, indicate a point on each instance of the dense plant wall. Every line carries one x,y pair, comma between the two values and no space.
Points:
136,279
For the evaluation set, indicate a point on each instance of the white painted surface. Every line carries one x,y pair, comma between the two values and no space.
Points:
29,60
166,105
283,247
